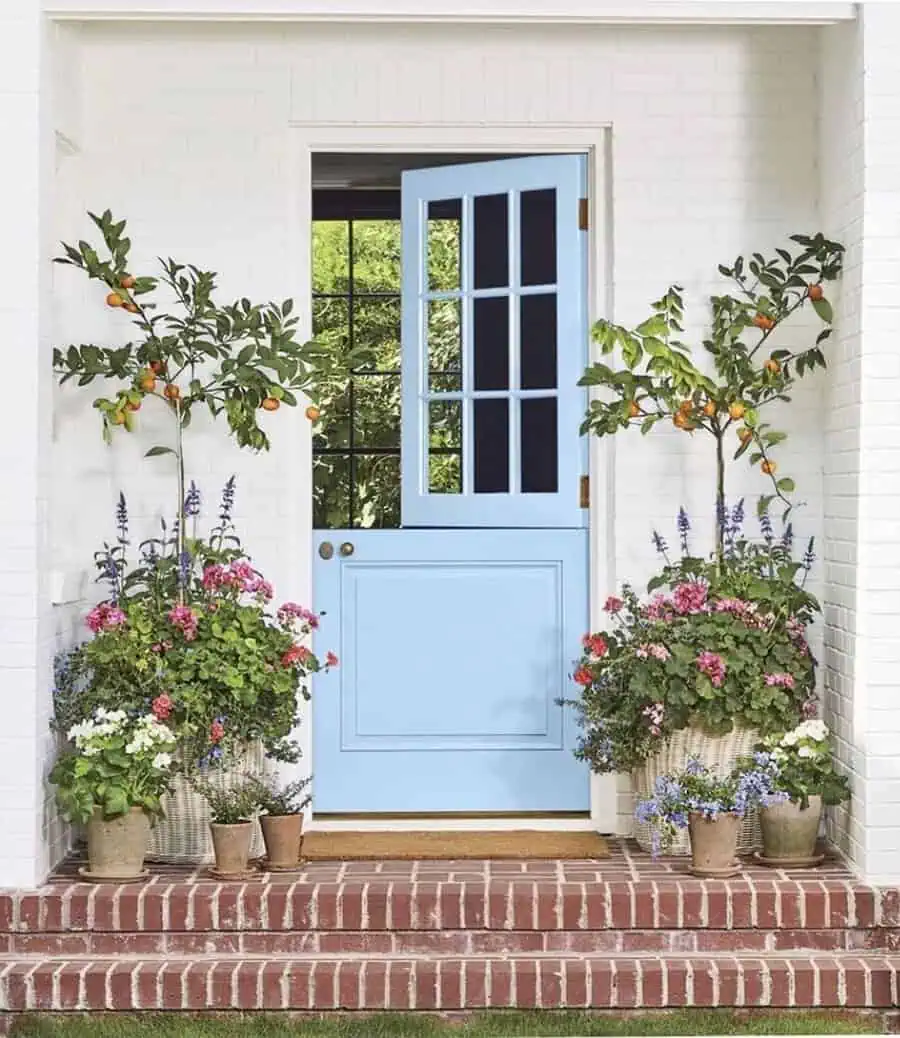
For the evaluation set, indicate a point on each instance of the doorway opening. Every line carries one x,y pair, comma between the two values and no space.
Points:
356,308
451,540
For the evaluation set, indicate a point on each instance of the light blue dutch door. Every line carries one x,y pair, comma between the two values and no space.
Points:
457,631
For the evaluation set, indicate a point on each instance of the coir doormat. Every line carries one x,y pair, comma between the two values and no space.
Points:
448,846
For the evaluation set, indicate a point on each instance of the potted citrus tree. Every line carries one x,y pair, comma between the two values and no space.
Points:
281,820
696,686
801,780
709,805
112,779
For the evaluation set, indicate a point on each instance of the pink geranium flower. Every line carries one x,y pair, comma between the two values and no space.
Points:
781,680
613,605
690,597
162,706
713,666
105,617
185,619
582,676
660,607
330,659
295,654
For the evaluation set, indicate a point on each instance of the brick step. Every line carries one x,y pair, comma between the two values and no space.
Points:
443,943
424,983
542,903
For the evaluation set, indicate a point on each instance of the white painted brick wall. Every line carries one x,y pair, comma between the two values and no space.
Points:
25,622
860,165
184,131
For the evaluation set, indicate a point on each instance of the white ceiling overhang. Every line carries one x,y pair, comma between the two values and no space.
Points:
579,12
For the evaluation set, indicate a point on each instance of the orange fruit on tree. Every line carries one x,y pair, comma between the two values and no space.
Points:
736,410
147,381
132,308
745,434
133,405
156,366
772,366
127,281
172,392
764,321
709,408
686,406
768,468
313,413
119,418
114,299
816,292
633,409
271,403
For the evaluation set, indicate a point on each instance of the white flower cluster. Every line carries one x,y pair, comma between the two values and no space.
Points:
148,733
814,731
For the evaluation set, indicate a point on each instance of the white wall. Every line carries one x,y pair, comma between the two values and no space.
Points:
861,196
185,132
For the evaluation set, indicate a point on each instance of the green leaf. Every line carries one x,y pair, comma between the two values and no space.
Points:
154,452
786,485
823,309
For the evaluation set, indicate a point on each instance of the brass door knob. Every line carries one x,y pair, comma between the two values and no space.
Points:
346,549
326,550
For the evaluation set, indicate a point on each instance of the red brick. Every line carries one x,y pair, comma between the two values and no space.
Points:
625,986
426,984
652,984
676,983
523,896
475,972
399,981
829,982
501,985
526,977
804,983
573,908
373,982
704,985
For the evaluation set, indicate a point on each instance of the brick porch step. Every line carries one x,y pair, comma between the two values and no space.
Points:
624,933
448,983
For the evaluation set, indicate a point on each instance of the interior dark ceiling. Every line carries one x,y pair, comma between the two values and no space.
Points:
381,169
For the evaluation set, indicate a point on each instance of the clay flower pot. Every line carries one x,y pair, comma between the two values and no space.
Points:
117,846
283,835
714,844
232,846
789,831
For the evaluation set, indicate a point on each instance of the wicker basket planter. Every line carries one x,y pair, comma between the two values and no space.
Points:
716,751
183,836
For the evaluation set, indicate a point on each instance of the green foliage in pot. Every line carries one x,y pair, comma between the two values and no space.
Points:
277,800
116,762
723,646
800,765
221,668
698,789
661,380
231,805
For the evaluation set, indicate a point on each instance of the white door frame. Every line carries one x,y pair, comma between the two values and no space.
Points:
469,139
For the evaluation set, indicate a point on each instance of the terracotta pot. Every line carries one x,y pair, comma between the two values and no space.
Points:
232,846
283,835
714,844
117,846
789,831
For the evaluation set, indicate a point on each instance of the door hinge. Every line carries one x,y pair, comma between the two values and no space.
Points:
584,492
583,214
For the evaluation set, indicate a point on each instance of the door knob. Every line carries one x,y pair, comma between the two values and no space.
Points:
346,549
326,550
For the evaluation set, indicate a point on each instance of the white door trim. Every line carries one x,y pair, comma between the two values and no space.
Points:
523,12
472,138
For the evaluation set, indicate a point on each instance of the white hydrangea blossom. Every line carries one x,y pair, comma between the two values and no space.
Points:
816,731
161,761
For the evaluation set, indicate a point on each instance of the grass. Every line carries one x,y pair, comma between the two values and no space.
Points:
483,1025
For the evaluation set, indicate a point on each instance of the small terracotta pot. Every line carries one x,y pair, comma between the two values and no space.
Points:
714,844
789,832
283,835
232,846
117,846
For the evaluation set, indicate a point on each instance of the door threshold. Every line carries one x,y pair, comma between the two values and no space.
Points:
574,821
